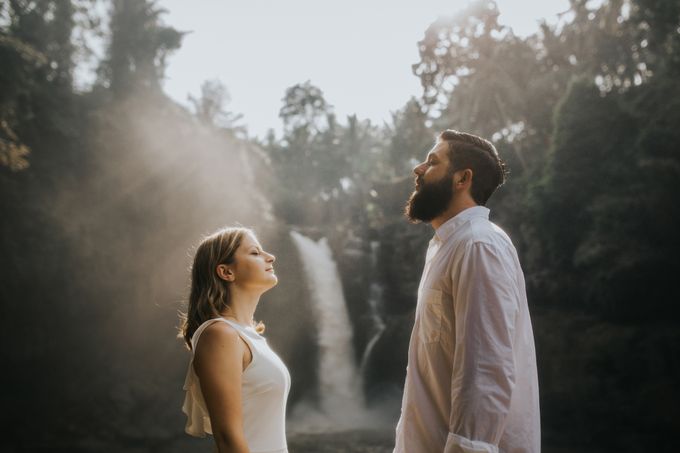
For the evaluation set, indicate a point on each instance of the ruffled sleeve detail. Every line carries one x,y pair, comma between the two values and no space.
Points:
198,420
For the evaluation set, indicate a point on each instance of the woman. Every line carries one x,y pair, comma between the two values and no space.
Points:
236,386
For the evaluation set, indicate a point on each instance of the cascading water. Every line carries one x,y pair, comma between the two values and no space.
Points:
341,404
375,296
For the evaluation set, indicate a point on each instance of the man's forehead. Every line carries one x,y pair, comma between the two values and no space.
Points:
440,150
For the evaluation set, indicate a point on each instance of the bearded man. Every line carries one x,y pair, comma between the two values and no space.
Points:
471,381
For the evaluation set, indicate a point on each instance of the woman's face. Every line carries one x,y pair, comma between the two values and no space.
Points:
252,267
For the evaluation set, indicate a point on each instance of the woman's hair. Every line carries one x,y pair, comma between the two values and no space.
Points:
209,294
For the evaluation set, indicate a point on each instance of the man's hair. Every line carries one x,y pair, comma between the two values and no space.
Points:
480,156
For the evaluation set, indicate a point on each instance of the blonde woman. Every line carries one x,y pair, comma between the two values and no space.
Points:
236,386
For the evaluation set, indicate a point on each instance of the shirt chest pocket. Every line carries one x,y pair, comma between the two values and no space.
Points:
430,307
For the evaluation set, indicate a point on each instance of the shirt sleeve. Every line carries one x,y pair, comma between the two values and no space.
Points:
485,309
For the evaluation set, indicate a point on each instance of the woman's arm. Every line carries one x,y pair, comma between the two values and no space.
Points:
218,362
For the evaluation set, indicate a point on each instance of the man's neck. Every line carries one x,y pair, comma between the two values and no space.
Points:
455,208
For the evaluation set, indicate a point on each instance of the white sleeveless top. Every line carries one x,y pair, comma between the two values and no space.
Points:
265,386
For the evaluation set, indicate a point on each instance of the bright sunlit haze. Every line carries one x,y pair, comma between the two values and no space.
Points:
359,53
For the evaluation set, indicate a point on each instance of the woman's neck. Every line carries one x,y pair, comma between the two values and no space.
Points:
242,305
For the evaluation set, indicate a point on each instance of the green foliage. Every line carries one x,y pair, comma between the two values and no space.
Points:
35,53
657,24
613,172
410,138
13,153
304,107
629,251
322,168
475,71
138,48
588,159
210,108
46,25
20,63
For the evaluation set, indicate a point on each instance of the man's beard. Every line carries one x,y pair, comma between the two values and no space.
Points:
430,201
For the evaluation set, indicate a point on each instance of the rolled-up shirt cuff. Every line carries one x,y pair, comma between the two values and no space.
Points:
460,444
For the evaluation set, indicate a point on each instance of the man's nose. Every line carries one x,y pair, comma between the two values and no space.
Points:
418,169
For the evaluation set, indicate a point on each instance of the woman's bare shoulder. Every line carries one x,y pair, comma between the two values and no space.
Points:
218,335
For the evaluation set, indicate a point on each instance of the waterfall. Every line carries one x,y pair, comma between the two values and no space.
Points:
375,297
341,404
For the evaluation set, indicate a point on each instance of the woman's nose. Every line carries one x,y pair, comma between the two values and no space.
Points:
271,258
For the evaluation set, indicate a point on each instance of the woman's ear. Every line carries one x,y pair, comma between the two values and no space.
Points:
225,273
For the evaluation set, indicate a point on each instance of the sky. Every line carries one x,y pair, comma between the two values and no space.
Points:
359,52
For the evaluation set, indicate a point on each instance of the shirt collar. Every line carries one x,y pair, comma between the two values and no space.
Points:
447,228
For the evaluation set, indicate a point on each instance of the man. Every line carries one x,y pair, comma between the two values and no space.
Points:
471,381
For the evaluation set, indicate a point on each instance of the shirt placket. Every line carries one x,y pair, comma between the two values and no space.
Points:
433,248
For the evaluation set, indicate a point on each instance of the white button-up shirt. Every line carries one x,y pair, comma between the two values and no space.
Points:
471,381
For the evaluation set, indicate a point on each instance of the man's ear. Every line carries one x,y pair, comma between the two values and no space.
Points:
463,178
225,273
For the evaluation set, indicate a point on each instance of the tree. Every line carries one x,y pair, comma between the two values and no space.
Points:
19,61
210,108
37,57
474,70
410,138
138,47
304,107
622,256
588,160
